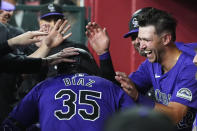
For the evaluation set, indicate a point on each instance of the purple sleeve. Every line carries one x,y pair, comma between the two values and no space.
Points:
141,77
105,56
125,100
185,91
121,99
145,101
26,112
188,48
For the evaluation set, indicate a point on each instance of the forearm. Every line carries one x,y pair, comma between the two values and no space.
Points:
176,114
4,48
40,52
19,64
174,110
106,67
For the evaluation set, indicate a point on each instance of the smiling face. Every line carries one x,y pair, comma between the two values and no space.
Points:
5,16
150,43
136,43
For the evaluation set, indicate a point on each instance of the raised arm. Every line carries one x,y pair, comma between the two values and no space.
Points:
12,63
25,39
100,42
55,37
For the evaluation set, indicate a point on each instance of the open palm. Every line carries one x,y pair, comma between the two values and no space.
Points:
56,35
98,38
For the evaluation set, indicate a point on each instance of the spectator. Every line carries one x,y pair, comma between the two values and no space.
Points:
21,63
6,13
50,14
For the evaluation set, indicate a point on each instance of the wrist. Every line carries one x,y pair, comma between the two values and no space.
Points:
145,101
102,52
104,56
11,42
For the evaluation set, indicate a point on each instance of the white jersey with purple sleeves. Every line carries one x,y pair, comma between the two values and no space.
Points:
177,85
71,102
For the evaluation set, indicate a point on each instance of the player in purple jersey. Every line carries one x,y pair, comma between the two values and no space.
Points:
74,100
100,42
170,71
164,96
195,121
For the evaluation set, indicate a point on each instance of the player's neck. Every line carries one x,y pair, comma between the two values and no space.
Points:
170,58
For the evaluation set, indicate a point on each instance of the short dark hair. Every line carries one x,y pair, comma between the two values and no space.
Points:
139,118
161,20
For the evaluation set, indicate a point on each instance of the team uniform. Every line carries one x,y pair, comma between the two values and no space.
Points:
107,69
72,103
188,48
177,85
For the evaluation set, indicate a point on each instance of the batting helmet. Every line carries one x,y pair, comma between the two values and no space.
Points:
133,24
85,62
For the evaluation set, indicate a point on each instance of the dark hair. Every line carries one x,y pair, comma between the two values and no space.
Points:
161,20
139,118
85,62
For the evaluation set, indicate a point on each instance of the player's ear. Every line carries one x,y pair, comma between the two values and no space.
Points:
166,38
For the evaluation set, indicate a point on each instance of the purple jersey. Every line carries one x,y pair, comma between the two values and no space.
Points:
177,85
71,103
188,48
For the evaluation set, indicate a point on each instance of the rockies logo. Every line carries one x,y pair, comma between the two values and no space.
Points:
135,22
51,7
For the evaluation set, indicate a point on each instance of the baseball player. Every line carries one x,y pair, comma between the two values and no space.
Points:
74,100
102,48
21,63
170,71
195,121
168,85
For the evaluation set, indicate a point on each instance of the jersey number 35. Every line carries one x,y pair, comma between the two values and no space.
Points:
83,99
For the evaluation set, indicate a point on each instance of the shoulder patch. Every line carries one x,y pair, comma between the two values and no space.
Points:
185,93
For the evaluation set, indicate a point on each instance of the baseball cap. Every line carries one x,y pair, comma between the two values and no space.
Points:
140,118
7,6
133,23
50,10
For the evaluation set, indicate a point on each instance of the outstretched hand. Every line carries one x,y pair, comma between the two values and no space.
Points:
29,37
61,56
98,38
127,85
57,34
